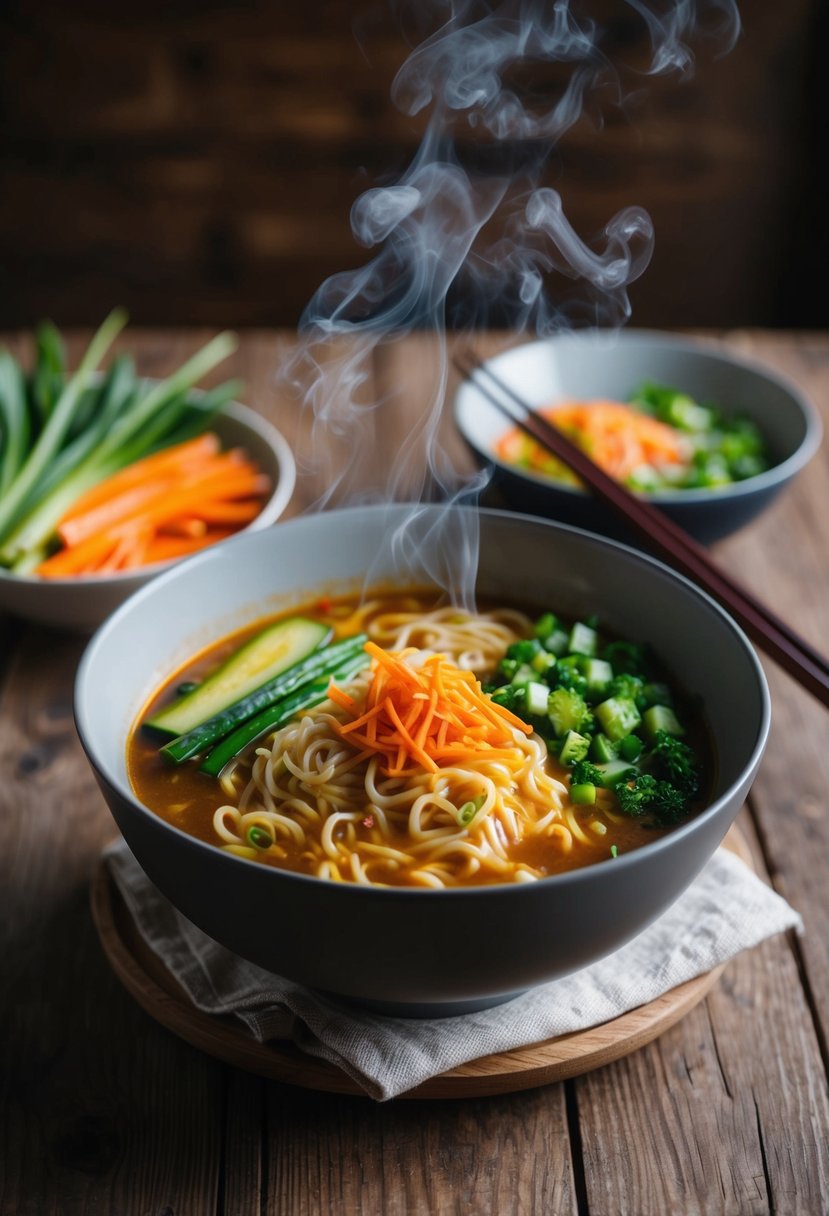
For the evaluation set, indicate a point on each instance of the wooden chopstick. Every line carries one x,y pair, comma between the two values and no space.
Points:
683,552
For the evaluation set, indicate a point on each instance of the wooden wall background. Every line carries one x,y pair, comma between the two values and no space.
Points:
197,161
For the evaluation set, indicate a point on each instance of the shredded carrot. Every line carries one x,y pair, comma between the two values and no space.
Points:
171,503
427,717
134,474
617,437
162,548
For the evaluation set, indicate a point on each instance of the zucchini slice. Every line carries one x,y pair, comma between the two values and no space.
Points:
258,660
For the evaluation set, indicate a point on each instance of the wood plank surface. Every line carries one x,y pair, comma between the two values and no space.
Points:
102,1111
91,1120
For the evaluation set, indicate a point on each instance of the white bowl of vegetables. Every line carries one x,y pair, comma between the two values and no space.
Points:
709,437
106,478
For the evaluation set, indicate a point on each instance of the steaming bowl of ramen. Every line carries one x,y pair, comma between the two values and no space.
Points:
710,437
475,915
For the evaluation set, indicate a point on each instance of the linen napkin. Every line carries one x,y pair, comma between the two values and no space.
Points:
729,907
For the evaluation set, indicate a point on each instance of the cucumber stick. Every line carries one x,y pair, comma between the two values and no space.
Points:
266,655
277,715
208,733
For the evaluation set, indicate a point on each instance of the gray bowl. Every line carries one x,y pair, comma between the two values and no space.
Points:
418,952
613,364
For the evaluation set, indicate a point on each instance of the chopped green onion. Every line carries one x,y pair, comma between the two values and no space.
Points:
469,810
259,837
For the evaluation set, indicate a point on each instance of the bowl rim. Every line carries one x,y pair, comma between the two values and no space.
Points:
708,348
357,891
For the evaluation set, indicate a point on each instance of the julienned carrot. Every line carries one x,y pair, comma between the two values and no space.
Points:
171,496
84,557
163,548
427,717
186,526
618,437
129,550
221,512
194,450
172,503
125,549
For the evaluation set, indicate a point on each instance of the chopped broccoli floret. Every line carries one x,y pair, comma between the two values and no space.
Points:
545,625
629,686
656,692
542,662
674,761
567,674
585,773
632,657
568,710
657,799
512,697
524,651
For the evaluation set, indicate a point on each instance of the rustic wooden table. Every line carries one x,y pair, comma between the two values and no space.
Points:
104,1111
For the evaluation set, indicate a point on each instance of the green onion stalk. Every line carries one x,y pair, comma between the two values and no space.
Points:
128,422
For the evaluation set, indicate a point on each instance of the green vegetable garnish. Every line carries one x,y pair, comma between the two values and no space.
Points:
469,810
609,718
259,837
61,434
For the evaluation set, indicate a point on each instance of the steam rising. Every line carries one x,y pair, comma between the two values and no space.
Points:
430,228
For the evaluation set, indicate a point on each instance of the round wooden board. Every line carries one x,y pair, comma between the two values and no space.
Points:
147,979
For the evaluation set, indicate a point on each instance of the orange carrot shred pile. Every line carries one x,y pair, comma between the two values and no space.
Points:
167,505
618,437
426,717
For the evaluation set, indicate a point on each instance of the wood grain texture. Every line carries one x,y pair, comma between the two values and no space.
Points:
785,559
147,980
101,1110
504,1154
90,1119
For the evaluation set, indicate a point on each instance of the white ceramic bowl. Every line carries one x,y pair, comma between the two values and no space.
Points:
419,951
81,604
613,364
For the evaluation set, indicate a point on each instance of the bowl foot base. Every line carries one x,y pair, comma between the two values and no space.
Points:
427,1009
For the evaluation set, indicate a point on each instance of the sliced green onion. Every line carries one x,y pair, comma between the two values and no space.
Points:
51,437
259,837
469,810
14,420
67,467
